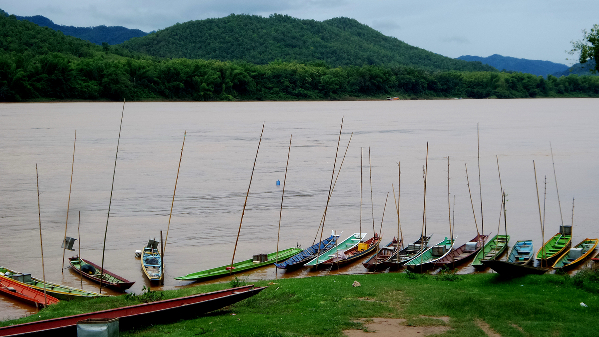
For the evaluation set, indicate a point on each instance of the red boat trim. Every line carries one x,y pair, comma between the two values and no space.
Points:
25,293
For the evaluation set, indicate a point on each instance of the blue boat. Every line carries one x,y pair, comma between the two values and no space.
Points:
518,262
308,254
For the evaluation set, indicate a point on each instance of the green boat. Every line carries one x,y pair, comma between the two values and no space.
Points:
258,261
427,258
492,249
557,245
59,291
575,255
348,243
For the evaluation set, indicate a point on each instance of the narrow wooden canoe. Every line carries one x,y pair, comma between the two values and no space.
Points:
348,256
239,266
518,262
409,252
93,272
346,244
461,254
308,254
521,253
59,291
376,262
575,255
555,247
139,316
151,262
492,249
427,258
24,293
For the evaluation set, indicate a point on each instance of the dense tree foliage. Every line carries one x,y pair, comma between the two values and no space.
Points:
39,63
259,40
534,67
588,46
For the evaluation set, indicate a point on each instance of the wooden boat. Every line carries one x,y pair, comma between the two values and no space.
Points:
151,262
557,245
256,262
24,293
409,252
518,262
492,249
308,254
140,315
346,244
575,255
376,262
59,291
461,254
358,251
93,272
427,258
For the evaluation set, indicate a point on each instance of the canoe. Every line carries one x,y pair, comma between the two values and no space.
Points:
461,254
346,244
518,262
575,255
151,262
308,254
427,258
376,262
409,252
59,291
24,293
93,272
240,266
557,245
341,258
492,249
140,315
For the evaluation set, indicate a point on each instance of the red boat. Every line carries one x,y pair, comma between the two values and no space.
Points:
93,272
462,253
139,315
26,294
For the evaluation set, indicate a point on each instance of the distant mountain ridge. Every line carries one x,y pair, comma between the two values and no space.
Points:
98,34
535,67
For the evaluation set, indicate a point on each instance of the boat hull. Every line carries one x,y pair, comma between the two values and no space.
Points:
427,258
461,254
513,269
25,294
376,262
567,262
492,249
298,260
409,252
120,283
353,254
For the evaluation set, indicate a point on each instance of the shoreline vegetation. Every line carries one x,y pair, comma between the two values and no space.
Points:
535,305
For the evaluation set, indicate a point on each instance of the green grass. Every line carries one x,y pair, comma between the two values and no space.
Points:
544,305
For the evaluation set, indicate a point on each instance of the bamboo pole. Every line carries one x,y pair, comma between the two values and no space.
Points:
174,191
425,178
449,202
557,189
39,214
471,203
79,240
68,205
361,182
480,189
544,201
501,187
381,229
162,246
246,200
540,217
111,189
371,200
282,196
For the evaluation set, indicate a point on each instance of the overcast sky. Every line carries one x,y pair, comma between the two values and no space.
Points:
530,29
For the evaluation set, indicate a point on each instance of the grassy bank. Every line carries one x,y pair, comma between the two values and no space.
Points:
548,305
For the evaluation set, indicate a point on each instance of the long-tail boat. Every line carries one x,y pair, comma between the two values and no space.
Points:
59,291
93,272
24,293
461,254
518,262
492,249
556,246
258,261
376,262
427,258
140,315
151,262
346,244
407,253
308,254
575,255
358,251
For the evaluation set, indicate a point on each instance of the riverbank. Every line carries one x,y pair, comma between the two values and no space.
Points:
447,304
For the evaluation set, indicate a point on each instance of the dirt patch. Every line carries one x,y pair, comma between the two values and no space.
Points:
486,328
387,327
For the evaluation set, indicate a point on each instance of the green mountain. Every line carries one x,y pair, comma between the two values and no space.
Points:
579,69
111,35
260,40
535,67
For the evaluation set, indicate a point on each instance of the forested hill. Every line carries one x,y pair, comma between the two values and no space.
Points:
260,40
535,67
111,35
